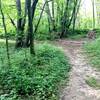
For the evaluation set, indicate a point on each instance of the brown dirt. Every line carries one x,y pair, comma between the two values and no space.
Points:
77,88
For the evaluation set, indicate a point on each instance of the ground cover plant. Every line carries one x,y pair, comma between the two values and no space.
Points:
36,77
93,51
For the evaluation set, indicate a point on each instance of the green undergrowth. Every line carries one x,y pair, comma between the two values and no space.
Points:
93,51
77,34
93,82
32,78
82,33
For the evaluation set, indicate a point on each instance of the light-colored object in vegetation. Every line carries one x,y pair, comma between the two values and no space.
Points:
91,34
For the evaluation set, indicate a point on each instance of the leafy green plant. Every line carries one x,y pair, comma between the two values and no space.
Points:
93,82
37,76
93,51
77,34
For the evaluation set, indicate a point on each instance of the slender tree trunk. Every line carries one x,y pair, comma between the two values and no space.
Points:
53,16
93,14
4,25
21,21
30,27
51,19
48,15
75,13
77,6
33,8
36,28
19,39
65,20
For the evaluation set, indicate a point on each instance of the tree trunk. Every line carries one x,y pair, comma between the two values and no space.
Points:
30,27
21,21
93,14
4,25
33,8
53,16
65,20
19,39
77,6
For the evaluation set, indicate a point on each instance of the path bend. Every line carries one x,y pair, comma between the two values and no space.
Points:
77,88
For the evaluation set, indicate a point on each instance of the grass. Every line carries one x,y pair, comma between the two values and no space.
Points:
93,82
32,78
76,36
79,34
93,51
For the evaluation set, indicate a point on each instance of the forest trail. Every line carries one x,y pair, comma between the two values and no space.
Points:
77,88
4,41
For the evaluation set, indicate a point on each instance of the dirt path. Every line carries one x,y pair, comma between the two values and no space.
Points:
77,88
4,41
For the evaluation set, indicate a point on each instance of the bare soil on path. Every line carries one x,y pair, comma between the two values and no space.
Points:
77,88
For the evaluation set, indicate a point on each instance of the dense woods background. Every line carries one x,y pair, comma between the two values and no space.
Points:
51,19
